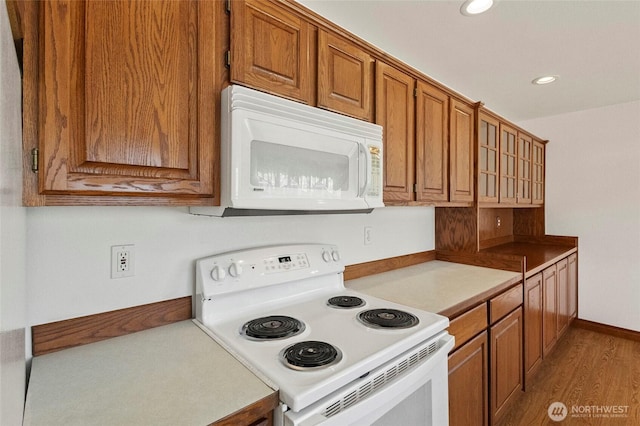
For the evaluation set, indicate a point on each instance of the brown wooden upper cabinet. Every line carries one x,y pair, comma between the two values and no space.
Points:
488,158
395,113
345,77
126,98
537,170
461,131
525,150
510,164
432,143
272,50
429,160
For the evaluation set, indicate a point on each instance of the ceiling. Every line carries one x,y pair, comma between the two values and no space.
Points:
593,46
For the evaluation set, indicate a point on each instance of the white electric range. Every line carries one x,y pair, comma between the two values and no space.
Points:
335,355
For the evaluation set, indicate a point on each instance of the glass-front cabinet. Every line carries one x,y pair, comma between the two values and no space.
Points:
537,168
525,143
488,156
508,161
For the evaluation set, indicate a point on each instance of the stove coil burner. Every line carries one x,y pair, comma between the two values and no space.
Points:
309,355
345,302
387,318
272,327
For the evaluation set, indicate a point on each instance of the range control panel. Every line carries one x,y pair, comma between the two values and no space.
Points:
288,262
264,266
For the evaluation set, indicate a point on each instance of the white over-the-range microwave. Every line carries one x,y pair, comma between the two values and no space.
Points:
283,157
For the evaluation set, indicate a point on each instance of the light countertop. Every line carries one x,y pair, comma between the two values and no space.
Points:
177,374
170,375
442,287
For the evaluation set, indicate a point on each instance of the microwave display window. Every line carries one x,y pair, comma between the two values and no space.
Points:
294,168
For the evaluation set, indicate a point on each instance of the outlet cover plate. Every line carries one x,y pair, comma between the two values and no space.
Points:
122,261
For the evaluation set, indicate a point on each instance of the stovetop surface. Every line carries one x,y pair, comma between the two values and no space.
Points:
297,281
363,348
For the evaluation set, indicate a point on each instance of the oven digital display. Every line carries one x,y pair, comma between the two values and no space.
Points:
284,259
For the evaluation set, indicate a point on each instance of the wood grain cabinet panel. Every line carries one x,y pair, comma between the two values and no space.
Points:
432,143
573,285
469,384
345,77
533,311
467,325
272,50
395,113
506,302
506,363
563,296
461,151
550,309
127,92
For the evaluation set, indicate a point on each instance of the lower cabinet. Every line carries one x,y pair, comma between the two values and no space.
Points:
550,304
563,296
533,310
485,369
550,309
506,362
469,383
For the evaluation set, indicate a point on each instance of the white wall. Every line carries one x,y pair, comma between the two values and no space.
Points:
12,234
69,249
593,192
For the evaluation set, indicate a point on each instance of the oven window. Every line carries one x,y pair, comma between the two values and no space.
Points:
282,166
413,410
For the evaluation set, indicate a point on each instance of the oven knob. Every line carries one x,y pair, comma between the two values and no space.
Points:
235,270
326,256
218,273
335,255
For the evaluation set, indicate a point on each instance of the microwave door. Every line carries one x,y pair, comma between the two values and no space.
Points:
296,166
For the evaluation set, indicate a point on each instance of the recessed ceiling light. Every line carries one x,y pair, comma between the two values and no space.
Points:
544,79
475,7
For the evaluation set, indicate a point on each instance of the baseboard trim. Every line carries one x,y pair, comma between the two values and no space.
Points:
55,336
607,329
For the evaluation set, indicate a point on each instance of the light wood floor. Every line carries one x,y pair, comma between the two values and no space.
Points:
585,369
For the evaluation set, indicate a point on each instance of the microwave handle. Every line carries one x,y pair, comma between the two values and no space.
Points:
362,149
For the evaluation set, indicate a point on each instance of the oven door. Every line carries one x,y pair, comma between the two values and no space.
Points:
412,389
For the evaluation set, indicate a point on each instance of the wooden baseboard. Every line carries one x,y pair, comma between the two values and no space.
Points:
607,329
65,334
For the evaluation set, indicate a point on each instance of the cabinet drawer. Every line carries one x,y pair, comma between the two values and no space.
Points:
467,325
501,305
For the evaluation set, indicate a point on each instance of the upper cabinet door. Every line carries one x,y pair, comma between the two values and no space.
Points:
127,98
461,150
508,162
272,50
395,113
525,146
488,156
537,186
345,77
432,143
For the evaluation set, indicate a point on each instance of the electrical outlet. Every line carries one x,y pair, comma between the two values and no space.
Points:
368,235
498,222
122,261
